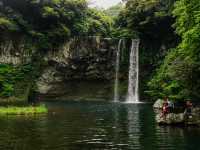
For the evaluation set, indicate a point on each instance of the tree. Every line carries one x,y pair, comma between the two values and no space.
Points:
49,21
180,74
151,21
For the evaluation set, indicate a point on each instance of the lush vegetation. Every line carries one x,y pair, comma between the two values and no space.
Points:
169,53
151,21
11,110
179,74
52,22
169,31
10,76
97,23
44,24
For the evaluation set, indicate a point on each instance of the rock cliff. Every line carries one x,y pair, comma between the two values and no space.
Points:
80,59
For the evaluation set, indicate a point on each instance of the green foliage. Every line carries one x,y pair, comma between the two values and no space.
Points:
181,68
162,83
52,22
9,75
98,23
6,24
151,21
6,85
122,33
28,110
47,24
49,12
95,23
148,17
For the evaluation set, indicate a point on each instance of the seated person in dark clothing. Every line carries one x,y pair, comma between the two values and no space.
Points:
165,107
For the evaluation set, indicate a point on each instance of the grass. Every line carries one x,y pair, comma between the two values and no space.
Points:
25,110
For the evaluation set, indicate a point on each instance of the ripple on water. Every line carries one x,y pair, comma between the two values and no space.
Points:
95,126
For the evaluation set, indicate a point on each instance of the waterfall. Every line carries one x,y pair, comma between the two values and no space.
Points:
133,82
117,67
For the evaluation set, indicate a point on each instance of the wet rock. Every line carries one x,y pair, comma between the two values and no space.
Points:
158,104
14,52
194,118
79,58
177,119
177,115
170,118
46,82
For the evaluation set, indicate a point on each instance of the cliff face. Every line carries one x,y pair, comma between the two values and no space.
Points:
84,58
77,66
15,51
80,64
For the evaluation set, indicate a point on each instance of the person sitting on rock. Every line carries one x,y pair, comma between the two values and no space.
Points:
188,109
165,107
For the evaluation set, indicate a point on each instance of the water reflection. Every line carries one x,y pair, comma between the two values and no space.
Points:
94,126
18,132
133,125
126,132
170,136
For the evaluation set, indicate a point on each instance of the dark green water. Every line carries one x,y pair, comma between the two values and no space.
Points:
85,126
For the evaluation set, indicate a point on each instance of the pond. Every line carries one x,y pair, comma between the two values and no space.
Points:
94,125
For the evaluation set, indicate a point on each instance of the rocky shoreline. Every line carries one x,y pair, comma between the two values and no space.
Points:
177,115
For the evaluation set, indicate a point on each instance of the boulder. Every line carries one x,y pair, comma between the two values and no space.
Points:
171,118
47,80
158,104
179,118
194,118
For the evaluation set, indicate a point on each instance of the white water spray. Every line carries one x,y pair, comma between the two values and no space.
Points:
133,82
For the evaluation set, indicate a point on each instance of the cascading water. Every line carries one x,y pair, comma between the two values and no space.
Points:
117,67
133,82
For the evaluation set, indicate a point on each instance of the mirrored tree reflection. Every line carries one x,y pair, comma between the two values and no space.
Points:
94,126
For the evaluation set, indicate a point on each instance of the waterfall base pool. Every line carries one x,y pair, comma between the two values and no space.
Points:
84,126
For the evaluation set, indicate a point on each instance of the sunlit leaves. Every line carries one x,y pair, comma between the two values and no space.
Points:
48,12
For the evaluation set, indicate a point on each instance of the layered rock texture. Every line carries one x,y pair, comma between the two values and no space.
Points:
15,51
88,61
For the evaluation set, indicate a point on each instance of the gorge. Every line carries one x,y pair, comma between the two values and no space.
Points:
75,64
77,77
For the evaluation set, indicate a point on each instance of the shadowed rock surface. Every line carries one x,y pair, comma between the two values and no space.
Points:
79,64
